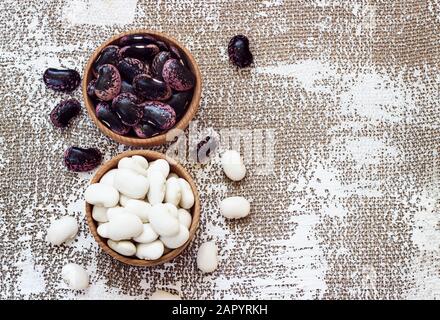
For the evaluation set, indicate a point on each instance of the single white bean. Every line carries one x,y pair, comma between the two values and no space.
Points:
75,276
178,240
187,199
172,209
62,230
235,207
148,234
111,212
140,160
126,248
130,184
103,195
131,164
163,295
150,251
160,165
139,208
121,227
164,223
185,217
207,259
173,194
108,177
99,214
233,166
156,192
123,200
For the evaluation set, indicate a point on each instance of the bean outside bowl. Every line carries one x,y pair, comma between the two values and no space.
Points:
195,210
182,124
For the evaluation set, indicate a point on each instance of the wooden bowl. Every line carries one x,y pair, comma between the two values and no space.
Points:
161,138
195,210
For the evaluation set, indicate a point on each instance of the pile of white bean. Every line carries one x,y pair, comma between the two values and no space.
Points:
142,208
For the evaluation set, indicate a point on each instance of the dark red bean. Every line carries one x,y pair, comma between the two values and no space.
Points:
158,63
91,89
108,55
81,159
177,76
179,101
108,83
140,51
145,130
61,79
126,107
239,52
136,38
150,88
64,112
107,116
159,114
131,67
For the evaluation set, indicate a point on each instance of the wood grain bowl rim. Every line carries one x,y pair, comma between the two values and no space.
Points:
161,138
195,210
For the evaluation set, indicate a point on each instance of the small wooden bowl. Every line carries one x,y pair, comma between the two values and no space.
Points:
161,138
195,210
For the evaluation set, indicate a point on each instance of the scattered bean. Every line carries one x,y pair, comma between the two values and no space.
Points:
207,259
62,230
75,276
235,207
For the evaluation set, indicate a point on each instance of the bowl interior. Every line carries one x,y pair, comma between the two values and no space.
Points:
182,124
195,210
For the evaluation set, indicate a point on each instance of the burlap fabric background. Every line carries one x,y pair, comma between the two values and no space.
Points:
351,92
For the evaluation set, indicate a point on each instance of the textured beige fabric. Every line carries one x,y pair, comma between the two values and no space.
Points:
351,92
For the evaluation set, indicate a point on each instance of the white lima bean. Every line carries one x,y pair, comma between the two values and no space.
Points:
108,177
148,234
150,251
184,217
126,248
163,295
172,209
111,212
75,276
173,194
233,166
187,199
121,227
160,165
130,184
235,207
139,208
99,214
141,161
156,192
62,230
207,258
164,223
123,200
131,164
178,240
103,195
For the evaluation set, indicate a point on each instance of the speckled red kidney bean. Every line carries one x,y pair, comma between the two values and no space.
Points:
107,116
91,89
239,52
131,67
177,76
61,79
82,159
158,63
161,115
108,55
126,107
108,83
139,51
150,88
65,111
179,101
145,130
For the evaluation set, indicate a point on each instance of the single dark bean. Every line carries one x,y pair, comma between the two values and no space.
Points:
145,130
107,116
64,112
126,107
61,79
177,76
179,101
150,88
81,159
131,67
159,114
91,89
239,52
136,39
108,83
108,55
127,87
158,63
140,51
